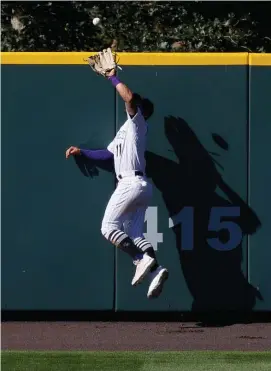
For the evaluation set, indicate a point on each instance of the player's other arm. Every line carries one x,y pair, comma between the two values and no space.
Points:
99,154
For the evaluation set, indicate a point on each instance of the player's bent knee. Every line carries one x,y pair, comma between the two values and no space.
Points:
115,236
107,228
104,232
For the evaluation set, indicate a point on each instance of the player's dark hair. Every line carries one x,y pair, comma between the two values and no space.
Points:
145,104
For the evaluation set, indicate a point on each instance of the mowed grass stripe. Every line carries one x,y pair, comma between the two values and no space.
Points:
135,361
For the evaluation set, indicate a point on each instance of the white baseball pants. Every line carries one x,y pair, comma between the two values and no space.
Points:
125,212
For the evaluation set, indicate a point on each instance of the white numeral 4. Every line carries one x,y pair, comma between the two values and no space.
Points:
152,234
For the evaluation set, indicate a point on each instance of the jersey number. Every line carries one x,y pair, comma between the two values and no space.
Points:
119,149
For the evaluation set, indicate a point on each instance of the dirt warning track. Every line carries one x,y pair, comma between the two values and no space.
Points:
113,336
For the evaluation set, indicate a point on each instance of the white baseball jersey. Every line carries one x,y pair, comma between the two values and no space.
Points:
129,145
125,211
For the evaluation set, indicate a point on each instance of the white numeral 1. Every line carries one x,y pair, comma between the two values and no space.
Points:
152,234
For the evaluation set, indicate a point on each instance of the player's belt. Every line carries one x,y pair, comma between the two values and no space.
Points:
130,173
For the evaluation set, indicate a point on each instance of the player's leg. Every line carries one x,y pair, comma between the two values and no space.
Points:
134,227
119,206
113,221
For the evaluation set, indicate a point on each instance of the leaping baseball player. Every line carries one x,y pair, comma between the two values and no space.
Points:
123,221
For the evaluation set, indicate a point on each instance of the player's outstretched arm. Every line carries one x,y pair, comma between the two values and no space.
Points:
125,93
99,154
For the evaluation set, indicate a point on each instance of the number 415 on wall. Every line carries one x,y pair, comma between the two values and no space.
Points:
185,218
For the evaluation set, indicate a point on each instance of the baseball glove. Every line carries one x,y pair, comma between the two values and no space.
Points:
103,62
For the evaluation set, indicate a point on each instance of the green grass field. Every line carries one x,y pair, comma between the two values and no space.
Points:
135,361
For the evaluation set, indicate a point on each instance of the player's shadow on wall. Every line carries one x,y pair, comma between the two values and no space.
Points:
215,278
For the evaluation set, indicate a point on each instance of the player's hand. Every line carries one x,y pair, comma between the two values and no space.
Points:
72,151
111,73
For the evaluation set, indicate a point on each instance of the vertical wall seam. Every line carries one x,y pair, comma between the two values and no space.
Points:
115,183
248,154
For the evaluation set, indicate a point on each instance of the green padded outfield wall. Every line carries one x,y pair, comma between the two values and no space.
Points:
53,255
193,105
198,159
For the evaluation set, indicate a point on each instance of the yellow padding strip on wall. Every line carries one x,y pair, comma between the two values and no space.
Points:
260,59
140,59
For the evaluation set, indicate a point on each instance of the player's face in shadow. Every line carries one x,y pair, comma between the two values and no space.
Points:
144,104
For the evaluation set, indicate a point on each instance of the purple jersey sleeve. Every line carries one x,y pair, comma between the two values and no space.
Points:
99,154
